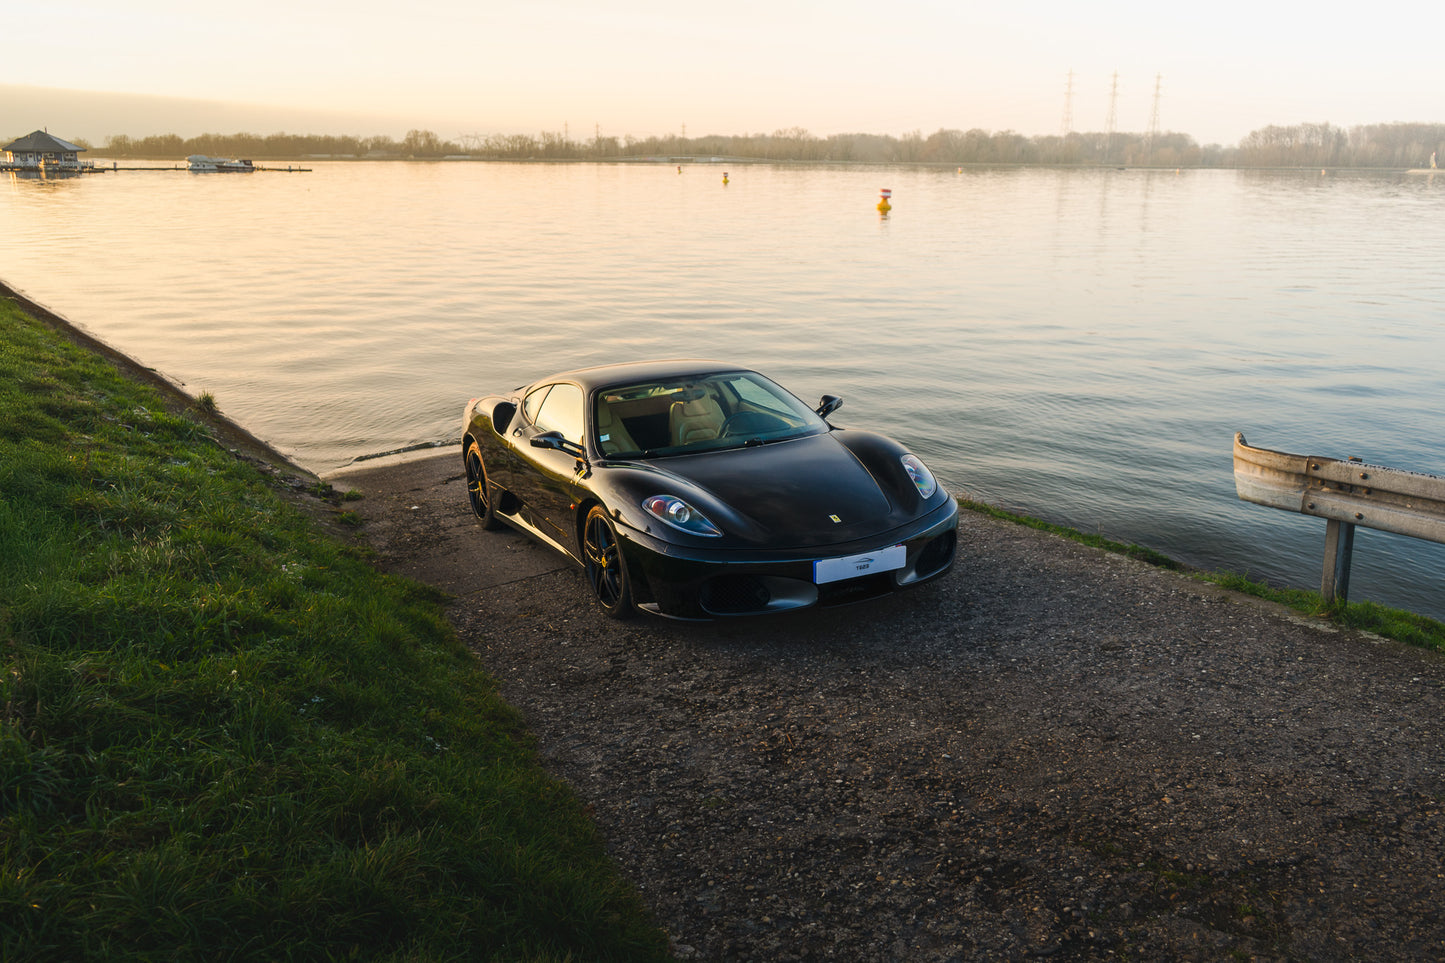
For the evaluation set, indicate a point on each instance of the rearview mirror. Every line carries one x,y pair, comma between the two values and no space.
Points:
828,404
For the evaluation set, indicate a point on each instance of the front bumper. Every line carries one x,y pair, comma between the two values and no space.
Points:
696,583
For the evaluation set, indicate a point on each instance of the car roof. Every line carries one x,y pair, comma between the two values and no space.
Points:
603,376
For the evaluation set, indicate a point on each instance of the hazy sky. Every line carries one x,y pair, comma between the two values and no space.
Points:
646,67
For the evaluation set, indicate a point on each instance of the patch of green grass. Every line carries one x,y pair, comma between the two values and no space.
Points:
1402,626
224,735
1389,623
1095,541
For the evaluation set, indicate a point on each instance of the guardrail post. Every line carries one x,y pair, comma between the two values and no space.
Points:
1339,549
1347,494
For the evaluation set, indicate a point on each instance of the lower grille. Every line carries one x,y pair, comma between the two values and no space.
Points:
735,595
936,555
856,589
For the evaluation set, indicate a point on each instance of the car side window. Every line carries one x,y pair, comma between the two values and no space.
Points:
561,411
532,404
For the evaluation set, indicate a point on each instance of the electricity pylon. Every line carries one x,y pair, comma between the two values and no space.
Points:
1067,125
1113,118
1153,120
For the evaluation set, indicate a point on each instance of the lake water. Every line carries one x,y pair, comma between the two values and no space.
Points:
1076,345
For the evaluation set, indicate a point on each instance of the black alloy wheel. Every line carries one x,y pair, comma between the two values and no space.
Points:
478,492
606,570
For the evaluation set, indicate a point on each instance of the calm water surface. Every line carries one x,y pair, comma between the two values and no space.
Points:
1078,345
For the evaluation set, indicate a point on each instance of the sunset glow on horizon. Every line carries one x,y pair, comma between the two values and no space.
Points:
646,68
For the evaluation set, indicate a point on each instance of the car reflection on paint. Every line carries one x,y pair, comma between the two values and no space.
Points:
695,489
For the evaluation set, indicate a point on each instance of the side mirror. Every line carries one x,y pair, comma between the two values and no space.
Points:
555,441
828,404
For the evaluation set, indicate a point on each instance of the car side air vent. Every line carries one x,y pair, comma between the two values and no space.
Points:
502,416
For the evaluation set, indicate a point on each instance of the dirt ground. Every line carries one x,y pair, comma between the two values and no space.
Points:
1052,752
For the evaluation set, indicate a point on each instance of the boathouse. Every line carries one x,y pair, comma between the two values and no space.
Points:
40,151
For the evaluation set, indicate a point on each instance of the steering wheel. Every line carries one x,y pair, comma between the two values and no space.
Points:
750,423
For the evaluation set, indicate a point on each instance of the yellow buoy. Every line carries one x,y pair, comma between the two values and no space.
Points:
725,177
883,206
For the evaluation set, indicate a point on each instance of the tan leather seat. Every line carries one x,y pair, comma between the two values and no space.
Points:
696,420
611,432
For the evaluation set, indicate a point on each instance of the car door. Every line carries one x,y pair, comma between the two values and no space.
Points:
546,480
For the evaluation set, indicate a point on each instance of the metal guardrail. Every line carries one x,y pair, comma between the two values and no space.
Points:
1347,493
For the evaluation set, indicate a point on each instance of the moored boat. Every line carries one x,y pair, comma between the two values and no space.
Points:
201,164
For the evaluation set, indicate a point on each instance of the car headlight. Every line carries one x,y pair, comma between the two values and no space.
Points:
680,515
922,478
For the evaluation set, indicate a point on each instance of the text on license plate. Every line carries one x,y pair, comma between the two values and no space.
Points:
853,566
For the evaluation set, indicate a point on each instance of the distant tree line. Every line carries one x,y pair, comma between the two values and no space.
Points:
794,144
417,143
1303,145
1323,145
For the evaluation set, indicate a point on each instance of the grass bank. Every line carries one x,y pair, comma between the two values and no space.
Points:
225,736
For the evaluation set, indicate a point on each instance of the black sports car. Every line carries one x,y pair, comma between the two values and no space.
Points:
694,489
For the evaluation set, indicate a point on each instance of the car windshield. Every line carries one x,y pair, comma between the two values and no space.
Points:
700,413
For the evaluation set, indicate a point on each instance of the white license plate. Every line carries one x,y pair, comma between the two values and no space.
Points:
854,566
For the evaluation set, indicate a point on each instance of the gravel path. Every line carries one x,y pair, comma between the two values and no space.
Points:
1051,752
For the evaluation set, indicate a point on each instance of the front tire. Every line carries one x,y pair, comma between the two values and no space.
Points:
479,492
605,567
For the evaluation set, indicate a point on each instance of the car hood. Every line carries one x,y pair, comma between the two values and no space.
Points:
801,492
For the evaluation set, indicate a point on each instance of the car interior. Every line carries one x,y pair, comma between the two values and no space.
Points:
694,419
651,417
655,416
